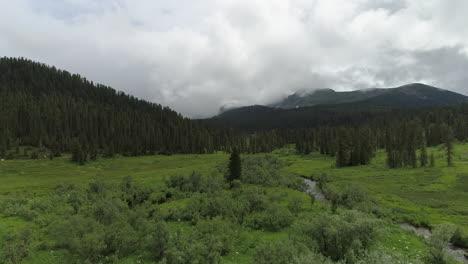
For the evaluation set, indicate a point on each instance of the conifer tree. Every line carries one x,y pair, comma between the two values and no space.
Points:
449,146
78,155
432,161
341,155
234,167
423,154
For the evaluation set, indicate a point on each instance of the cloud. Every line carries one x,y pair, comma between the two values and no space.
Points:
199,56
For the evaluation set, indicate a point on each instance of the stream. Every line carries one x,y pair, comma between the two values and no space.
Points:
456,253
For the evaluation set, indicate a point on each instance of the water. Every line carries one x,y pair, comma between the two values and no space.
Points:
313,190
456,253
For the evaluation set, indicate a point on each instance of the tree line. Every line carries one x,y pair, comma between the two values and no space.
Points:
43,107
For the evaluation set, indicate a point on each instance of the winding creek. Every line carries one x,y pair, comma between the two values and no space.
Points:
458,254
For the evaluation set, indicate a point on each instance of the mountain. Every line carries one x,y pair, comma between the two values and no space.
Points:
415,94
254,118
346,108
44,107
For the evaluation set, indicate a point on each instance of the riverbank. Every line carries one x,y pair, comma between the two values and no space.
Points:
457,253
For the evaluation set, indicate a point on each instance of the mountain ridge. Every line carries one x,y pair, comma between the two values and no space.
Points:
400,99
421,94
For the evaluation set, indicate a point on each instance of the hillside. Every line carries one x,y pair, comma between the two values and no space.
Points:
43,107
415,94
346,108
253,118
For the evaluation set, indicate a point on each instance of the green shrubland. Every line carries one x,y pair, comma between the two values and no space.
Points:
182,209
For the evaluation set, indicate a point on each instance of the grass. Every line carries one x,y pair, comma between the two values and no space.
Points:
435,195
41,175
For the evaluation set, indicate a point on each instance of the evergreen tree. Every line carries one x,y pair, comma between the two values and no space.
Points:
234,167
423,154
449,146
341,155
78,155
432,161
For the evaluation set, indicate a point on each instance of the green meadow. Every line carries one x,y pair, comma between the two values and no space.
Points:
427,196
416,195
26,175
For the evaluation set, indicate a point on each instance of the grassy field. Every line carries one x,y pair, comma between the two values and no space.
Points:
432,195
31,178
41,175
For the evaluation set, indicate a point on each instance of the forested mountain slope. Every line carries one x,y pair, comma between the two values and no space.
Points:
42,106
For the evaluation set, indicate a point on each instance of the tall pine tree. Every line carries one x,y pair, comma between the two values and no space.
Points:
234,167
423,154
449,146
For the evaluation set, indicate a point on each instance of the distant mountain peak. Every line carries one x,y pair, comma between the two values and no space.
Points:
412,94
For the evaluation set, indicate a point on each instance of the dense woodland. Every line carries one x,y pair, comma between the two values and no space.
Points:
353,132
51,109
41,106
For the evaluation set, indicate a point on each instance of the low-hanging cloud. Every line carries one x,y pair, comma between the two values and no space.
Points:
198,56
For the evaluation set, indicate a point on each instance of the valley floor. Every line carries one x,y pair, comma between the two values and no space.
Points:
422,196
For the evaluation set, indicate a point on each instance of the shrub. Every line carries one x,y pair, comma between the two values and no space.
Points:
280,252
157,240
261,170
256,198
216,235
273,218
381,257
209,241
17,246
178,181
338,237
459,239
81,236
134,194
295,205
439,240
286,252
213,182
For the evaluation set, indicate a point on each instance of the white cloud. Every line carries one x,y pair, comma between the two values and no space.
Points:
197,56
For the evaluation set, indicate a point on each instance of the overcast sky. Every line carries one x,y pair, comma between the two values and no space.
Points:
199,55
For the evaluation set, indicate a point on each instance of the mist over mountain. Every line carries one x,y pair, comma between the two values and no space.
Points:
415,94
328,107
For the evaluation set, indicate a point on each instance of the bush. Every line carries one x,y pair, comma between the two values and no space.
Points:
195,182
280,252
273,218
459,239
17,246
207,244
207,205
261,170
256,197
381,257
295,205
439,240
286,252
81,236
157,240
213,182
134,194
215,235
338,237
354,195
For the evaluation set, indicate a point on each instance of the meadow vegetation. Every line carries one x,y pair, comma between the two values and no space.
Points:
183,209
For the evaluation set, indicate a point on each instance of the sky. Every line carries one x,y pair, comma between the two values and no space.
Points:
197,56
